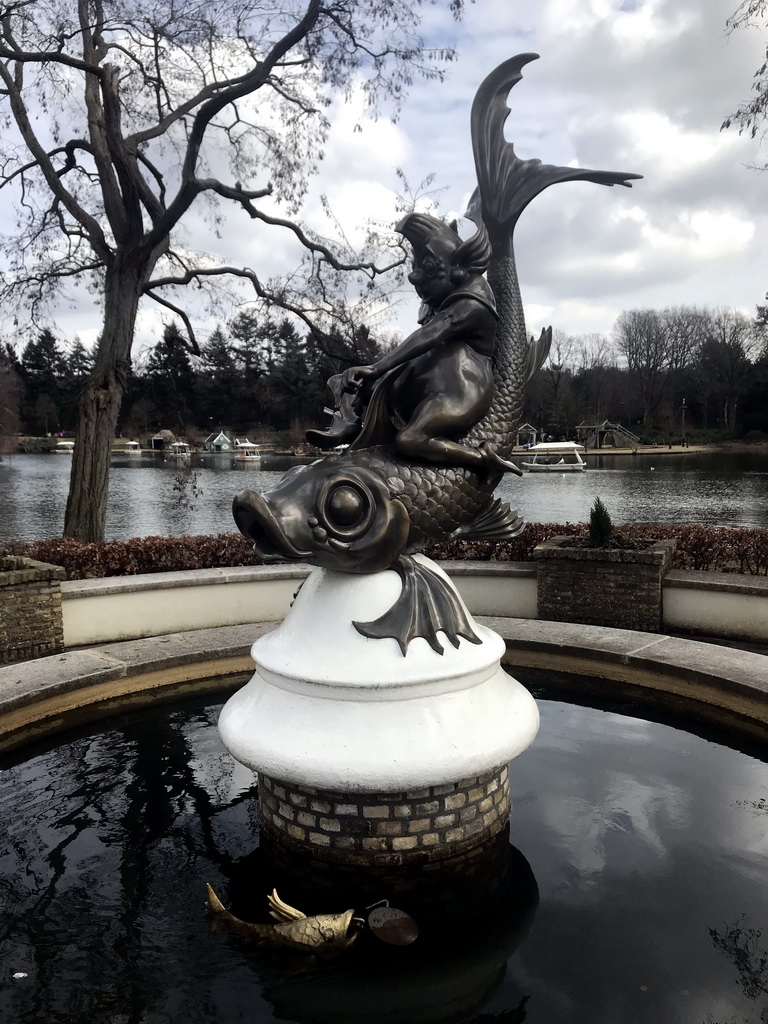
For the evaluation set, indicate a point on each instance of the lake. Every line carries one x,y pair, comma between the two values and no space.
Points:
712,488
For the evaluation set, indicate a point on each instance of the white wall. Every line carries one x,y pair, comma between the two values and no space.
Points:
123,608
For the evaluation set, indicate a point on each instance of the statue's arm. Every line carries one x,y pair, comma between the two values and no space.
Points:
457,319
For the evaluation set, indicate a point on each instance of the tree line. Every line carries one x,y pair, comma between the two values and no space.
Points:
255,374
683,370
661,373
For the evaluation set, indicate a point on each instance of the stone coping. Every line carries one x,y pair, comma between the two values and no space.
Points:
101,587
27,682
32,572
182,578
723,582
691,579
54,689
563,548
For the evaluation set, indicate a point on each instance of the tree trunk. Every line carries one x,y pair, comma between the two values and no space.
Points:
99,407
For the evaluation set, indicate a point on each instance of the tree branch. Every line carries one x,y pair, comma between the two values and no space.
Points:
193,346
317,247
238,194
269,296
14,84
249,83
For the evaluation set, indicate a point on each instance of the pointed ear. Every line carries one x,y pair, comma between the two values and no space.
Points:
454,226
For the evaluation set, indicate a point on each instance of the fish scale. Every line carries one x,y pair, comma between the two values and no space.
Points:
462,493
499,425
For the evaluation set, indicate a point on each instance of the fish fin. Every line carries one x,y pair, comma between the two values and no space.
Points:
506,184
537,352
498,522
282,911
427,605
212,902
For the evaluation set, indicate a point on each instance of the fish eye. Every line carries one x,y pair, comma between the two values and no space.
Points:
346,508
346,505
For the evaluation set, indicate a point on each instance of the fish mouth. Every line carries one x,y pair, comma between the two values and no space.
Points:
256,520
353,927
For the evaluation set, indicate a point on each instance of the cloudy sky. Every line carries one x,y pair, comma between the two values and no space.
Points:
630,85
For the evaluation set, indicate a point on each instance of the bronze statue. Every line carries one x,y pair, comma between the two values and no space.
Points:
439,382
433,423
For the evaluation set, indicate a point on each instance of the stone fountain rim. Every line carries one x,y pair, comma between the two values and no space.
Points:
58,692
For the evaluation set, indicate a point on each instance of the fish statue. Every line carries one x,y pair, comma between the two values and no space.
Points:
430,426
294,930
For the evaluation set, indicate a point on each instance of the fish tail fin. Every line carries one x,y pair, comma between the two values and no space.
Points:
506,184
212,901
538,350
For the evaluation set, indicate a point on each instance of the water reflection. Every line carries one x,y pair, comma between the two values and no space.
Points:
714,489
648,846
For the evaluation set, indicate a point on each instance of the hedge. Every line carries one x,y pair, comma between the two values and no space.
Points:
719,549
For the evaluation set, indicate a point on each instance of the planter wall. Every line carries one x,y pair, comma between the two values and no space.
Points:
30,612
618,587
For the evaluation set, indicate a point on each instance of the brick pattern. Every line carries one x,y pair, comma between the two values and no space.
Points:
386,829
618,588
30,612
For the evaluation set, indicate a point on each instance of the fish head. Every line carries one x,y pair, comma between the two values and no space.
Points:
336,931
333,513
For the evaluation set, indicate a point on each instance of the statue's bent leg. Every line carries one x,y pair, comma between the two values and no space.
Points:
427,435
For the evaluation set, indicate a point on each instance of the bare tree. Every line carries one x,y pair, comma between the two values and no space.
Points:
643,341
122,114
557,371
595,359
685,327
725,357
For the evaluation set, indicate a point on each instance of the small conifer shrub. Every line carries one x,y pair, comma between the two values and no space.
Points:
600,525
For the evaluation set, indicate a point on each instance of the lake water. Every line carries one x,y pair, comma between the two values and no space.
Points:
714,488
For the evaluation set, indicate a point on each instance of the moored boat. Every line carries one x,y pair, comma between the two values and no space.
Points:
555,457
246,450
179,450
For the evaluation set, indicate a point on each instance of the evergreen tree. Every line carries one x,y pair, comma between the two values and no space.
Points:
253,337
170,379
79,361
217,383
291,385
43,370
78,364
10,399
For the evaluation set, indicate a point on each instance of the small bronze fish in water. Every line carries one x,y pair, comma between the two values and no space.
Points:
293,930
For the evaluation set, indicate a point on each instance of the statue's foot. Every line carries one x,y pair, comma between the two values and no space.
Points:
341,431
492,460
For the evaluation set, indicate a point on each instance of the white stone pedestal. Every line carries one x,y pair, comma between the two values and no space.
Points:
333,712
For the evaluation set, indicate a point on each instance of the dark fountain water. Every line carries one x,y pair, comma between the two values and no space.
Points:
634,891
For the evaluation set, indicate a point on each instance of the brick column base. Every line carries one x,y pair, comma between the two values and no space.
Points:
386,829
30,611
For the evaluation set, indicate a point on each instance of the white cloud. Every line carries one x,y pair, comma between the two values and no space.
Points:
635,85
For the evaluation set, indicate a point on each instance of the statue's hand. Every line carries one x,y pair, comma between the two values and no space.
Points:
353,378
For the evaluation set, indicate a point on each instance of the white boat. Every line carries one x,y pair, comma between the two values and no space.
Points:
555,457
65,448
178,450
246,450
